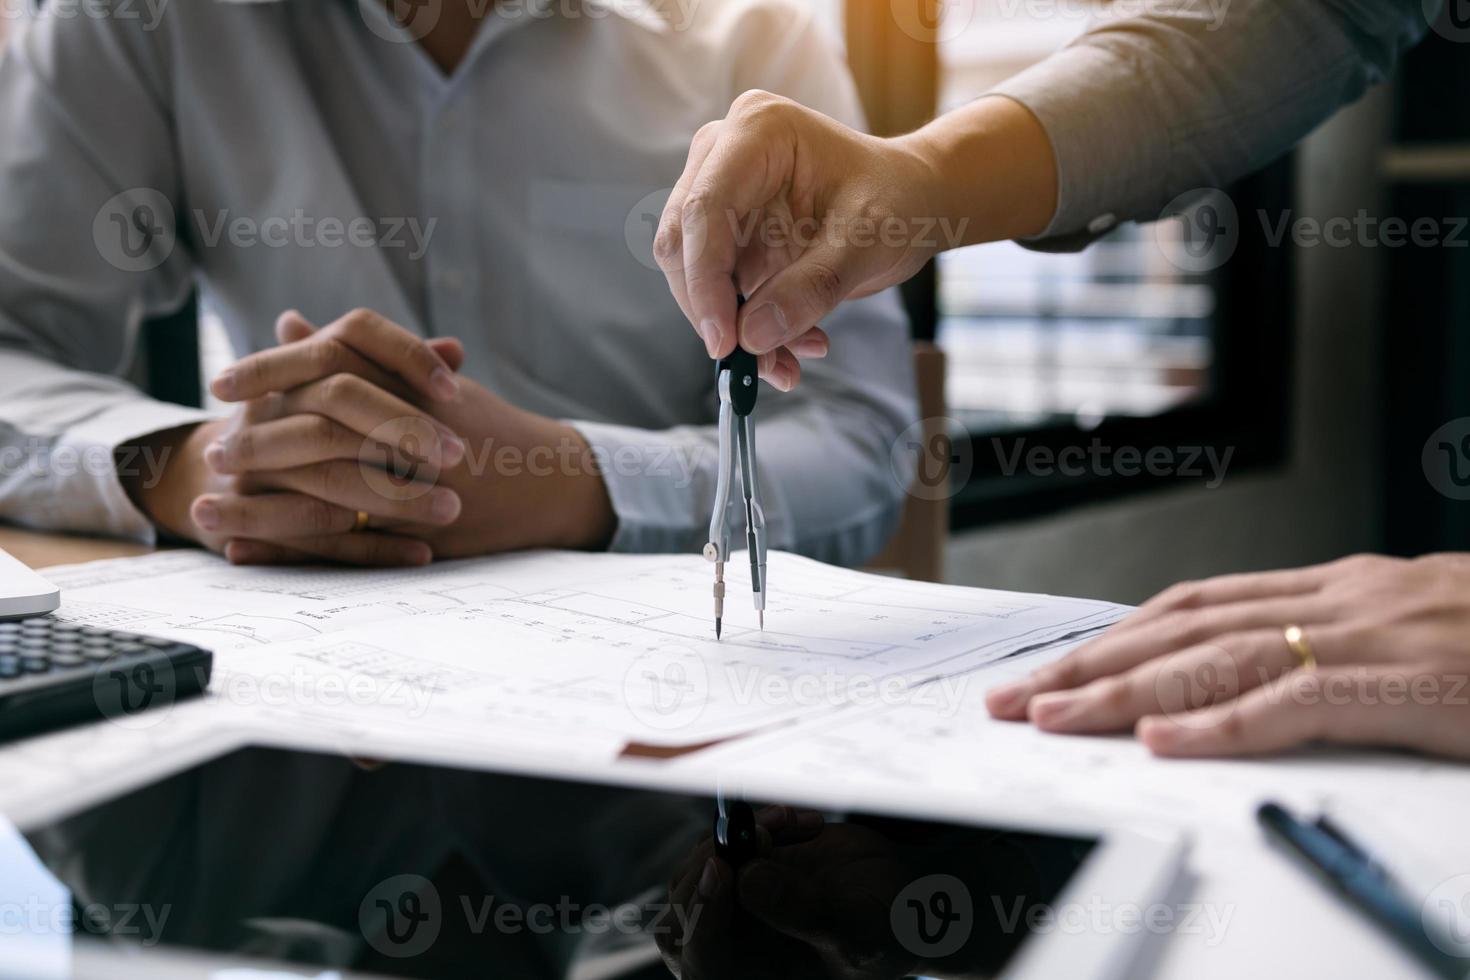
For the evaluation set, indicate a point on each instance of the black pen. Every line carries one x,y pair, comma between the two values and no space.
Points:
1351,871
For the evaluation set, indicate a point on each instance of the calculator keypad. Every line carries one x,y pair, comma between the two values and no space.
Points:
42,645
50,669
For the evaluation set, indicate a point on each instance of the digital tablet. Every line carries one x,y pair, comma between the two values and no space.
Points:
276,859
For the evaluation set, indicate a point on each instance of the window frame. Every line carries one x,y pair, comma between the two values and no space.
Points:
1247,412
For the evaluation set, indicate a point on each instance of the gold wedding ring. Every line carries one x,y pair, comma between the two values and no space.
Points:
361,523
1296,639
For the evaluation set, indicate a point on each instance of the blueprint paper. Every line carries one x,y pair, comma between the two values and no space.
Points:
556,647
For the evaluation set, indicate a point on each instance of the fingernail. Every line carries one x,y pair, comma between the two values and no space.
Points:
422,555
206,515
777,375
709,878
441,383
224,384
214,455
810,347
444,505
1008,697
452,449
1055,710
1160,734
709,332
764,329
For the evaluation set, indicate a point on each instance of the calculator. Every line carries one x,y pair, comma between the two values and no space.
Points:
54,673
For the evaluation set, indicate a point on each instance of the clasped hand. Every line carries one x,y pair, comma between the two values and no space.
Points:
362,417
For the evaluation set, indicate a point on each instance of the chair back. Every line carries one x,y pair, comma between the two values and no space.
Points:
917,547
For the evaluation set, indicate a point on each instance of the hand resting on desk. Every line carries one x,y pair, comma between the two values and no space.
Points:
363,416
1205,669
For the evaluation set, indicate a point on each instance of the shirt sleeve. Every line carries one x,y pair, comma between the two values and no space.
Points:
1179,95
831,484
88,250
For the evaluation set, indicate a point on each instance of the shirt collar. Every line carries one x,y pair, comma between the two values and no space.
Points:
655,15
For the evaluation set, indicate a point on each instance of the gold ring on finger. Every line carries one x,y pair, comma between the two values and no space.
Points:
1296,640
361,523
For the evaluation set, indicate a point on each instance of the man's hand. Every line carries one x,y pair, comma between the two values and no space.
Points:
801,212
462,474
1205,669
287,467
797,182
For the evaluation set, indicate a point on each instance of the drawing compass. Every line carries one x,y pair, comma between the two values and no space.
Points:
737,379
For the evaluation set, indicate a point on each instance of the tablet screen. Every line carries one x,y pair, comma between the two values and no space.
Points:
408,870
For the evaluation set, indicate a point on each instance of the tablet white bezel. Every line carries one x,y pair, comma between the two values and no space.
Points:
1132,864
23,593
1127,870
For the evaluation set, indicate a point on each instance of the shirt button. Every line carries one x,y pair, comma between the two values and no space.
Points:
1102,223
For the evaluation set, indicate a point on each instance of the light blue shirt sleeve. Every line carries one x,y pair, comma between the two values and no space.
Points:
1174,96
67,313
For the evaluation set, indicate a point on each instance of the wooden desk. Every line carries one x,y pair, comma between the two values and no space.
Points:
40,550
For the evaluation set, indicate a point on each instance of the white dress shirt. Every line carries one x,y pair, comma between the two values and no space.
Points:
512,205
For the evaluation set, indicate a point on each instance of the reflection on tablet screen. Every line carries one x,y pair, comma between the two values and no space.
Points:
419,871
